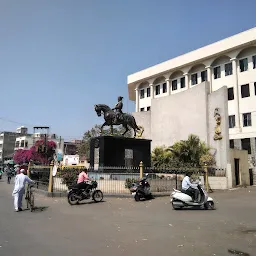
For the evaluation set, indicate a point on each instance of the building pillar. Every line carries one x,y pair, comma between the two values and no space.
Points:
236,93
137,99
209,76
168,86
187,85
253,159
152,91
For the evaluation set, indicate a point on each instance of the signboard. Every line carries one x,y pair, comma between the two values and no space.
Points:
71,160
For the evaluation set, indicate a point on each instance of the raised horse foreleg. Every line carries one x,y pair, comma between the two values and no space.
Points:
101,128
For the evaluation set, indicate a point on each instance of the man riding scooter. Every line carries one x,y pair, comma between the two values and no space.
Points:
187,188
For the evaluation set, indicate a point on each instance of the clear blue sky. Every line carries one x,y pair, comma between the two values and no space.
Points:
58,58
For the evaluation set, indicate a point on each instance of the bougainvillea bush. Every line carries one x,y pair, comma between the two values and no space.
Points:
36,153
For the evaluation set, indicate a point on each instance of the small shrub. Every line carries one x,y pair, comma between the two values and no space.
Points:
129,181
68,175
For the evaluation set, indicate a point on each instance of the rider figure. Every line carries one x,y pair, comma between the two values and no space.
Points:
187,188
118,108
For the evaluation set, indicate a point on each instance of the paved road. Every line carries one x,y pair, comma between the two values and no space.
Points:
124,227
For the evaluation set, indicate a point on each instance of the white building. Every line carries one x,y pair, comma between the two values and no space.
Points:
26,141
230,62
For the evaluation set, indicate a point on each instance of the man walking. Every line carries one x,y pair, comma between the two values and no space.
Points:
19,189
9,173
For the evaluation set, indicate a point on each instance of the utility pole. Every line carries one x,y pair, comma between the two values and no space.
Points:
45,129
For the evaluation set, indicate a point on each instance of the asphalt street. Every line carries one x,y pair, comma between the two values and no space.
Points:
125,227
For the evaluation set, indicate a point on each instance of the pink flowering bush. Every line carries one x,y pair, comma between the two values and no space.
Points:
36,153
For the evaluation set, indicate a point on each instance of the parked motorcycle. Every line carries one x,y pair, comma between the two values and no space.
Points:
141,190
75,195
181,200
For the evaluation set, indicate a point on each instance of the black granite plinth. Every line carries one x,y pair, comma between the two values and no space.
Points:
119,151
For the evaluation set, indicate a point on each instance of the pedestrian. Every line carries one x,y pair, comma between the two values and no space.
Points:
19,189
9,173
1,172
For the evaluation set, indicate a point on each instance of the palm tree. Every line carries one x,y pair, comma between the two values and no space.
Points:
189,151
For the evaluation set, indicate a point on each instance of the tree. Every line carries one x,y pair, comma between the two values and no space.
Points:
185,153
189,151
161,157
84,147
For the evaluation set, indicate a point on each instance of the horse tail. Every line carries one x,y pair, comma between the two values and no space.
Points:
134,123
140,128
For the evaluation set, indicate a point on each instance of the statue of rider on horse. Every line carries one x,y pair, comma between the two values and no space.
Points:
115,116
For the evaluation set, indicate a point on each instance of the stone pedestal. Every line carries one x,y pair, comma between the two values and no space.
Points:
119,151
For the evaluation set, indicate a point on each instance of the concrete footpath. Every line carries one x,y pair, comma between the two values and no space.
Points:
120,226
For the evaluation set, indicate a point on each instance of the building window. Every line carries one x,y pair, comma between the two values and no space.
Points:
231,144
216,72
142,94
228,69
243,64
17,144
182,82
232,121
247,121
254,61
246,145
148,108
164,88
148,92
174,85
194,79
204,75
157,89
26,144
245,91
141,109
230,93
22,143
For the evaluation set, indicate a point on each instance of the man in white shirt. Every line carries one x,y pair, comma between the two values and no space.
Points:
187,187
19,189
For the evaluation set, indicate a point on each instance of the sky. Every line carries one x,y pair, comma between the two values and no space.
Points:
58,58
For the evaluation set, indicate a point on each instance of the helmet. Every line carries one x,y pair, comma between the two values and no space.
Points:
120,98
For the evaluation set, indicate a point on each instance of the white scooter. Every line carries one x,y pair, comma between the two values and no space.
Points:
180,200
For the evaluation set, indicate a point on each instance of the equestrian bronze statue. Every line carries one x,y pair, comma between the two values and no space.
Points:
116,116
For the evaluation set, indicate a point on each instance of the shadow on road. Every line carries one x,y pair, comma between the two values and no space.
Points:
235,252
40,208
90,202
37,209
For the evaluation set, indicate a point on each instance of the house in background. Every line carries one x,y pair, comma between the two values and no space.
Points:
25,140
7,143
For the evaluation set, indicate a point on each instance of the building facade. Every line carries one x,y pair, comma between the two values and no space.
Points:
230,62
7,143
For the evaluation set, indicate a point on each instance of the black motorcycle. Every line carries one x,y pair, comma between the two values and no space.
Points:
75,194
141,190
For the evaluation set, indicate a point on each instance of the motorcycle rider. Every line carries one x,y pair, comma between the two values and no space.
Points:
82,179
118,108
187,188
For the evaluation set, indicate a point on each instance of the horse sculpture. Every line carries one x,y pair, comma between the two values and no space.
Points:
125,119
